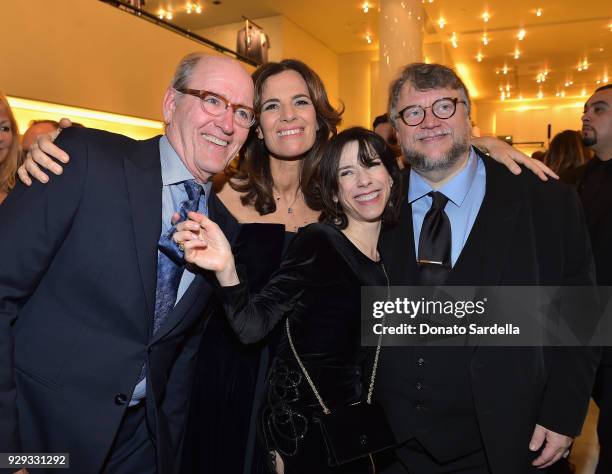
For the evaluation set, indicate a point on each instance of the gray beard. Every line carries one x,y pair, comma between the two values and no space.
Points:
420,162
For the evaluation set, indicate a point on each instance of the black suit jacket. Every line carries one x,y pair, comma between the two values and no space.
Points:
527,232
77,294
599,221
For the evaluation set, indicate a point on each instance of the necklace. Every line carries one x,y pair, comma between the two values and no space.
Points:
290,206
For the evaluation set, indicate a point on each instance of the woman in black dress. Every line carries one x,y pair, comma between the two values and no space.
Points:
317,289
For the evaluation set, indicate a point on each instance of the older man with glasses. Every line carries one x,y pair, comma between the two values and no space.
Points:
100,320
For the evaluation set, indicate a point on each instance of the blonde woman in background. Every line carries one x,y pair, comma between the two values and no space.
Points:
9,148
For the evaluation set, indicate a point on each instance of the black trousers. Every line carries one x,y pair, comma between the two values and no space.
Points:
133,451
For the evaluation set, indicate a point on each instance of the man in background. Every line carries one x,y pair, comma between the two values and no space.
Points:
382,126
36,128
594,183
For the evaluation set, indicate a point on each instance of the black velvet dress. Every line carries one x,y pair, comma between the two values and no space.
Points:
318,288
230,376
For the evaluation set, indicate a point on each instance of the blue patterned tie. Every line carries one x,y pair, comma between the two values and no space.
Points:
170,263
170,266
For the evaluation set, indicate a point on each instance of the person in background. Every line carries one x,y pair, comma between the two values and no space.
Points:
594,182
566,152
36,128
382,126
9,148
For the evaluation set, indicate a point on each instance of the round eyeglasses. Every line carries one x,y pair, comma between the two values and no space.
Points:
215,104
443,108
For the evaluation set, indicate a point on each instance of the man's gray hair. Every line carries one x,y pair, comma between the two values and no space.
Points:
424,77
184,70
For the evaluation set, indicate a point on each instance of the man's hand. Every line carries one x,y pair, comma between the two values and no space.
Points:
555,446
41,156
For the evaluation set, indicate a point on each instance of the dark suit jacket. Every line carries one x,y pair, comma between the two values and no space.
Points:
77,294
599,219
527,232
599,222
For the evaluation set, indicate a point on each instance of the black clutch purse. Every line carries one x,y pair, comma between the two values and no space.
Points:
354,431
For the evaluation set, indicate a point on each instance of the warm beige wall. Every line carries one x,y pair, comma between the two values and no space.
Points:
300,45
87,54
355,86
287,40
528,120
225,35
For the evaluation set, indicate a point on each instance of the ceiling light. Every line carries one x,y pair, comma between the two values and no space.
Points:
485,17
198,9
507,87
368,38
505,69
365,7
169,16
485,39
521,34
479,57
541,77
539,12
161,13
441,22
517,53
454,40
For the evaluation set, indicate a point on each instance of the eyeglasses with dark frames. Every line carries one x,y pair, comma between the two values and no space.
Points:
215,104
443,108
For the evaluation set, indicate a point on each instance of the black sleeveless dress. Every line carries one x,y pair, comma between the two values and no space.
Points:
230,376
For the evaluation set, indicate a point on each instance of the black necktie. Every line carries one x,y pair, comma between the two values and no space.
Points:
435,243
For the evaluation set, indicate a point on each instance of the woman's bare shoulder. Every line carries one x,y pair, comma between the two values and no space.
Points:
232,198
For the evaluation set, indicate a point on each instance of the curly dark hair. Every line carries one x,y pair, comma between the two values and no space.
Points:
253,177
370,146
